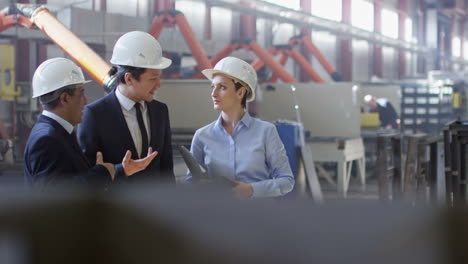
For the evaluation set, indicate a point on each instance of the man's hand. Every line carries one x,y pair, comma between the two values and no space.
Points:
109,166
242,190
131,166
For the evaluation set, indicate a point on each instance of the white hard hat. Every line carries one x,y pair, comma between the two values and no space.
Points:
368,98
54,74
139,49
238,70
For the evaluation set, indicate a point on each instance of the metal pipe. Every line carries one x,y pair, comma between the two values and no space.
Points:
83,55
306,20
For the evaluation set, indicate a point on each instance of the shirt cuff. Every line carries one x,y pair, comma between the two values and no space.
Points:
259,189
119,172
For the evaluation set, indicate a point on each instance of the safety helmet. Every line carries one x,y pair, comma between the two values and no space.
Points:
368,98
54,74
139,49
238,70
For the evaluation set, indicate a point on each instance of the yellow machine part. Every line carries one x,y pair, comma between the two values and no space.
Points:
370,120
456,100
8,90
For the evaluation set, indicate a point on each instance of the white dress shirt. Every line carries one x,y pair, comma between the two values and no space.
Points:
129,112
64,123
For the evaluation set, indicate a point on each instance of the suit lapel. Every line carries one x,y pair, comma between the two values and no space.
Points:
124,130
153,120
77,148
69,138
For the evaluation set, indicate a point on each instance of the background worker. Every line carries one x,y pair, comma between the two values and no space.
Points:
387,115
247,150
129,117
52,154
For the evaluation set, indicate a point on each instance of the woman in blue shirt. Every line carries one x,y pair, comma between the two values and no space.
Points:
244,149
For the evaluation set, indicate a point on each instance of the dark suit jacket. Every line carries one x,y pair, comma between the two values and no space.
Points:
52,156
387,114
104,129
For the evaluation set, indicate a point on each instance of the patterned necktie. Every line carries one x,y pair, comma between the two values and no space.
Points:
144,134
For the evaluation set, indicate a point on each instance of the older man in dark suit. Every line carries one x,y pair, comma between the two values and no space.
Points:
129,117
52,154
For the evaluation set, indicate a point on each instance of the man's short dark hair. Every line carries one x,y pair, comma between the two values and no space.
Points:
120,70
50,100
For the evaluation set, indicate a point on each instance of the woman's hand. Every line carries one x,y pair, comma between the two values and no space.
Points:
242,190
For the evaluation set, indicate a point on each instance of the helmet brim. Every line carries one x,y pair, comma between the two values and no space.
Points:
46,92
163,64
209,73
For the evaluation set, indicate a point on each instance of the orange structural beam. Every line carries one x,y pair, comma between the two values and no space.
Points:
92,63
316,52
271,63
7,21
305,65
194,45
172,18
310,46
257,64
224,52
157,26
282,60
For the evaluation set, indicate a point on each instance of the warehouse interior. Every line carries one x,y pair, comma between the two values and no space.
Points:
321,65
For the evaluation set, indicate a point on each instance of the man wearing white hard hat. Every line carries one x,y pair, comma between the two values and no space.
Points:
52,154
246,150
129,117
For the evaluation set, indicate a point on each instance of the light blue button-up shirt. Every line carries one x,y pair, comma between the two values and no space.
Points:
253,154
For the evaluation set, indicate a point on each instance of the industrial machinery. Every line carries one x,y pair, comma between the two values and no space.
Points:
330,114
286,51
36,16
172,18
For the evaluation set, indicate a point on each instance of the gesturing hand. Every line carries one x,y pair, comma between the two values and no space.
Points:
109,166
131,166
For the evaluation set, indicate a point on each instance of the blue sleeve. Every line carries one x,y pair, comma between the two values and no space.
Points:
281,179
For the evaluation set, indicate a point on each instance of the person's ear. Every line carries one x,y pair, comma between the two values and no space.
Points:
64,98
128,77
241,92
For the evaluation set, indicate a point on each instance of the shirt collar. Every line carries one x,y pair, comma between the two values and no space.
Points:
64,123
126,102
246,120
